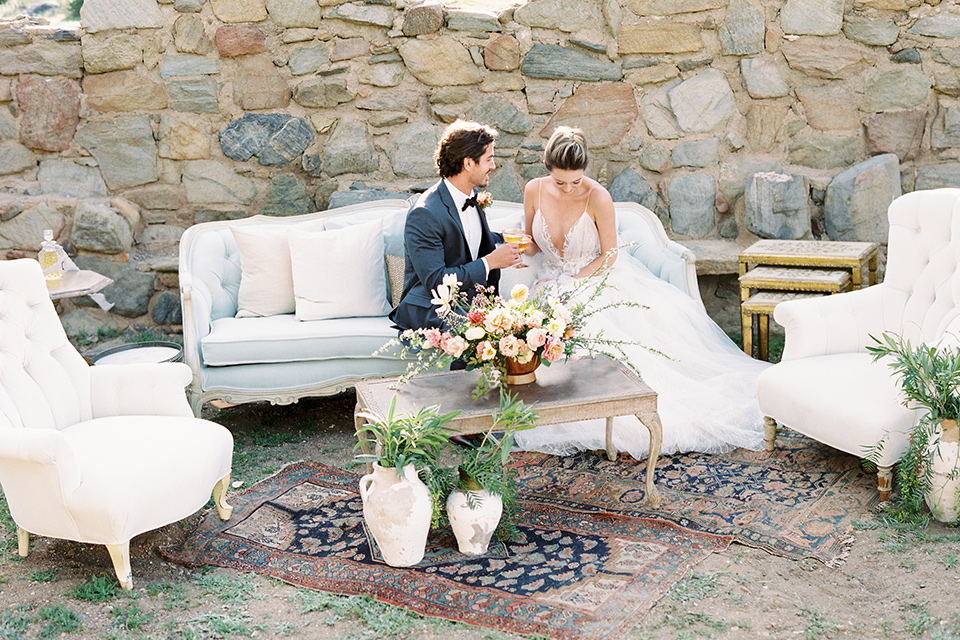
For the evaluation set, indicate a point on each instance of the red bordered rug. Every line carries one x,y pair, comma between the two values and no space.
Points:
573,573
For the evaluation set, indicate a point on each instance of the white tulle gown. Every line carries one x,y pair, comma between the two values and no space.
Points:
706,386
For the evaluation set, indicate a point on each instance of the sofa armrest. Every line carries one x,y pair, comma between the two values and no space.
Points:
43,464
155,389
841,323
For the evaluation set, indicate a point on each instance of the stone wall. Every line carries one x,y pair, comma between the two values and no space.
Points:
732,119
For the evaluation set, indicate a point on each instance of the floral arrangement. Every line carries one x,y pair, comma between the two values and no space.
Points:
487,331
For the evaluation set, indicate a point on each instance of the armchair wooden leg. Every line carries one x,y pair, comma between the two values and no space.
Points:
120,555
884,482
769,432
220,498
23,542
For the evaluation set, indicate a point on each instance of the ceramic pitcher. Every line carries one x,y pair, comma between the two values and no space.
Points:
398,512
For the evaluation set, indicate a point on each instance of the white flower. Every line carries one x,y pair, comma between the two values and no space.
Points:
557,326
450,280
475,333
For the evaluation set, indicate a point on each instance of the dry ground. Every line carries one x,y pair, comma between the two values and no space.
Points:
896,582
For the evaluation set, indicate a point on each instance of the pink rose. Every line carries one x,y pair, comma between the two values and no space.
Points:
509,346
553,350
433,337
455,346
535,318
536,338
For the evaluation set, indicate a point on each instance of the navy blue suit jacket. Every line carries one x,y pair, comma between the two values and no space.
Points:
435,245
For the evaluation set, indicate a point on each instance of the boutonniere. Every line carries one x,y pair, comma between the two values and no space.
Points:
484,200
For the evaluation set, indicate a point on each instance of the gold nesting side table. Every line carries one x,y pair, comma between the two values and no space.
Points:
774,271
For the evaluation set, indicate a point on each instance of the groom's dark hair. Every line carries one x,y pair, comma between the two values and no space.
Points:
462,140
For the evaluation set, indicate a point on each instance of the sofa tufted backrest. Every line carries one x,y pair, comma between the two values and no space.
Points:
44,382
922,260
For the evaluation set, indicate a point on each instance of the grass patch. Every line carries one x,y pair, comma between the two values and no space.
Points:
816,624
174,595
234,589
58,620
13,624
97,589
130,617
215,625
45,575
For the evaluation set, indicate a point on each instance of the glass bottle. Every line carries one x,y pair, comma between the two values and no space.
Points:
50,258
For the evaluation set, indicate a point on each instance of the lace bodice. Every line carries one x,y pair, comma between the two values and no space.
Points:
581,246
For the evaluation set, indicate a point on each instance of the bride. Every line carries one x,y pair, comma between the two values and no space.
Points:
706,385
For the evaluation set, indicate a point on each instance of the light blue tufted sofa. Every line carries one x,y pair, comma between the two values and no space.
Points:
281,359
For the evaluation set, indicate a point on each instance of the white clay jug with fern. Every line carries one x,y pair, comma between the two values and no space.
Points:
474,515
397,509
944,463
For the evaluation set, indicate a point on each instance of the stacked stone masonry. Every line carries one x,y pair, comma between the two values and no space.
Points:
732,119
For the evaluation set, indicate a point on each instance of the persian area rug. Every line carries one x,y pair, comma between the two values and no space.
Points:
798,501
574,573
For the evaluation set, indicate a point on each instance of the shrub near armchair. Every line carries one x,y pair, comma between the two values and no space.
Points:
827,385
281,358
95,454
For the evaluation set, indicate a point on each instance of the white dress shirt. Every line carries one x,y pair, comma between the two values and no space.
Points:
469,219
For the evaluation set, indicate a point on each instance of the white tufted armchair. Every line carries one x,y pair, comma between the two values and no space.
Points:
95,454
827,385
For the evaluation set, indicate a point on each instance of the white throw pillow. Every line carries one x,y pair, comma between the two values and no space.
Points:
339,273
266,278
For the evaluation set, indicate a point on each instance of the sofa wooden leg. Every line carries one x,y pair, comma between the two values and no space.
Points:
220,498
23,542
884,482
120,556
769,432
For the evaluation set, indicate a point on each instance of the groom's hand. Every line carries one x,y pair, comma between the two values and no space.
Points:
504,256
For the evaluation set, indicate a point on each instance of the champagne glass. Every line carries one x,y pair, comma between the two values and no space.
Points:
516,236
525,241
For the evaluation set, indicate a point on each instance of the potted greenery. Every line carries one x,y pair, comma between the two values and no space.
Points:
397,506
929,471
483,493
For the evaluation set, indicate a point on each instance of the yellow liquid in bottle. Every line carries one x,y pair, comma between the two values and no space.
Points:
48,258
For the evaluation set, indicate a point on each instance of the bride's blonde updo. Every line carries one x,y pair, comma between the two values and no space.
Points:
566,150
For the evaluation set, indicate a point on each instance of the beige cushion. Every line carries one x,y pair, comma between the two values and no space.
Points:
395,267
266,279
339,273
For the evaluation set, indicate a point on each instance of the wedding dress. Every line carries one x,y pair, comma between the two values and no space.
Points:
706,386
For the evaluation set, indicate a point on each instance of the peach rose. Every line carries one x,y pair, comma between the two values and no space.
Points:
553,350
509,346
536,338
498,320
455,346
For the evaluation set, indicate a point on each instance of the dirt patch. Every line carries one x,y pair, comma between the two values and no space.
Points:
896,583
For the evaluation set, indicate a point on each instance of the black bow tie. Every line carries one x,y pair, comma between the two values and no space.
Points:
471,201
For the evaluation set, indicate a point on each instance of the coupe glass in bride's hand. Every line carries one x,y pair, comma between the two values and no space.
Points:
525,241
516,236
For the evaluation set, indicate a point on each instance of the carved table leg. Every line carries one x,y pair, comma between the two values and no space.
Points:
651,420
746,324
358,423
611,450
764,336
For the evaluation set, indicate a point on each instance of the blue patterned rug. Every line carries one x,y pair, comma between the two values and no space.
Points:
798,501
575,572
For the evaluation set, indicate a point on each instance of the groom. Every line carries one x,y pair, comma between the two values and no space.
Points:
446,231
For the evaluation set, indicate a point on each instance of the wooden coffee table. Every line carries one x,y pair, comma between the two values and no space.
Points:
565,392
